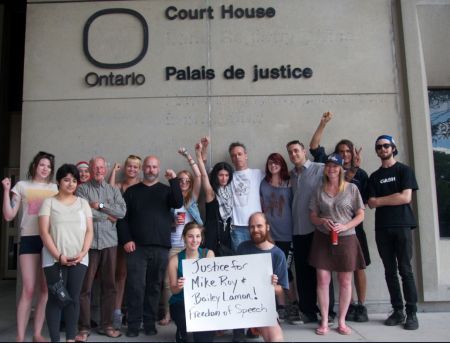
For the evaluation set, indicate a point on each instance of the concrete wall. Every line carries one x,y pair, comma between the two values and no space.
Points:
350,45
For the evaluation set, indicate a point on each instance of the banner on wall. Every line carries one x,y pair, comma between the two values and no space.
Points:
229,292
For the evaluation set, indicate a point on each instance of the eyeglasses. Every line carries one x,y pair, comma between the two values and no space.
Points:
184,180
385,146
46,155
134,157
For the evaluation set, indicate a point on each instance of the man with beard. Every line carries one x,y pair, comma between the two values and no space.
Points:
145,235
390,192
261,242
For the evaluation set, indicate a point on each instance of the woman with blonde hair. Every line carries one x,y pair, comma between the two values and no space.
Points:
336,209
132,169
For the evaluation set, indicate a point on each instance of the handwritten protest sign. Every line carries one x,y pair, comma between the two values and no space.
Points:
229,292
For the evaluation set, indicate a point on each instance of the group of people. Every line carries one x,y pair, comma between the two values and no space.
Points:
132,234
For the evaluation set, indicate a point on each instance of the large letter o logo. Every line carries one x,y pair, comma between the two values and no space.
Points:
115,11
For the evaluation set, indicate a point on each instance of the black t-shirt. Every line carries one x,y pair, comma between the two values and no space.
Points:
387,181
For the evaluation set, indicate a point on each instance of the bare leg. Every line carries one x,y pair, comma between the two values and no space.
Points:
29,268
323,294
121,277
361,285
39,315
272,333
345,295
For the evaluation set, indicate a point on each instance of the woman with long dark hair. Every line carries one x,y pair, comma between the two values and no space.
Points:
30,194
219,202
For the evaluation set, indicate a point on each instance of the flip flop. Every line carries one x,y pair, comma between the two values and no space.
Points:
109,332
164,321
82,336
322,330
344,330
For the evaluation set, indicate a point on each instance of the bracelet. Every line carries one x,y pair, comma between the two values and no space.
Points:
193,163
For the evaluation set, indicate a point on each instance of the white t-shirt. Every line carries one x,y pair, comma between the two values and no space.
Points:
176,234
246,200
67,228
32,195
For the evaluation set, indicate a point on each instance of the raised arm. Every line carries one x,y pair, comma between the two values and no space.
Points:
209,192
317,136
195,170
10,205
113,177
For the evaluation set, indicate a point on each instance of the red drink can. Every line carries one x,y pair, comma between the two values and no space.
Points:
334,237
181,218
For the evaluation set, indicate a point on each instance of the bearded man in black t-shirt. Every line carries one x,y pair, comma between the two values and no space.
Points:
390,190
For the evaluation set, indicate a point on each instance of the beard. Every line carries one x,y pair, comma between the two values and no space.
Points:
387,157
258,238
150,177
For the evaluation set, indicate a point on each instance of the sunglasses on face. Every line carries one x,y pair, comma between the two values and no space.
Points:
134,157
385,146
185,181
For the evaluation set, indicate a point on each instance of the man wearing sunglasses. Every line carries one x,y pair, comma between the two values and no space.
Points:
390,190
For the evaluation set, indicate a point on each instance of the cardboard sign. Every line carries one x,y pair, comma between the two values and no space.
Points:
229,292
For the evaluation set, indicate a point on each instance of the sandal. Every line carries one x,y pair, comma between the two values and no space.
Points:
322,330
109,332
344,330
82,336
165,321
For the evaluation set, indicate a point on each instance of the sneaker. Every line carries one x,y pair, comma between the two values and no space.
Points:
397,317
351,313
411,321
281,313
361,314
117,320
330,320
309,318
293,314
252,333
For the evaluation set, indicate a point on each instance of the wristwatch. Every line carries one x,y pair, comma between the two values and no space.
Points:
101,206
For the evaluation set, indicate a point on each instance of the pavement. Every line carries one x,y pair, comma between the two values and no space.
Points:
434,327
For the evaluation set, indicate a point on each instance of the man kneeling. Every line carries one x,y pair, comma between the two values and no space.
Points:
261,242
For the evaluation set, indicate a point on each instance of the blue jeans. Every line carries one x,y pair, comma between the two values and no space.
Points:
395,249
239,234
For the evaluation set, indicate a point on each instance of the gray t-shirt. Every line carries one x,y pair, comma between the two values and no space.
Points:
279,265
276,203
341,208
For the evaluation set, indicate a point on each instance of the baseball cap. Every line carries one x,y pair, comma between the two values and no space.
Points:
335,158
391,140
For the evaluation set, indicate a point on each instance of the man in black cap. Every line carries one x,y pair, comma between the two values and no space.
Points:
390,191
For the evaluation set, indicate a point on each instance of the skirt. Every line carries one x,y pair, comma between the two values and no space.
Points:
347,256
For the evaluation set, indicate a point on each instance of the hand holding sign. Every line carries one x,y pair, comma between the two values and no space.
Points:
229,292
